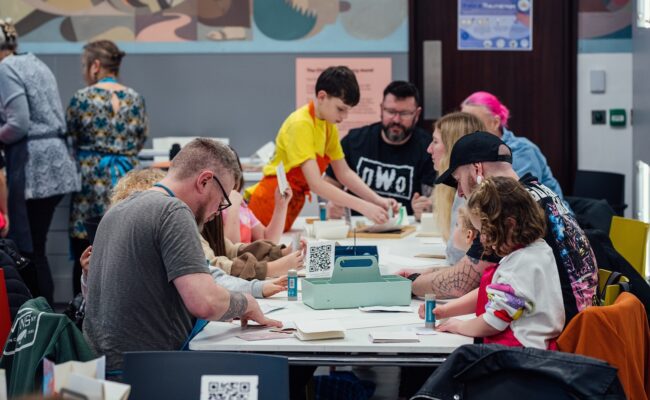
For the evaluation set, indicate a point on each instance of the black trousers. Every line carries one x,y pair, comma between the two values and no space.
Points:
299,377
37,274
78,247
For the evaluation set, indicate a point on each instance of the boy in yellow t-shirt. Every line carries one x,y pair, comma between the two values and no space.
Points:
308,141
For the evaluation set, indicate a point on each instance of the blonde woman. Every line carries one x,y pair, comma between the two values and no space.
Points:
447,131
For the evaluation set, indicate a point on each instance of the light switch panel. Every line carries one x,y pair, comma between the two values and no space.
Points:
597,81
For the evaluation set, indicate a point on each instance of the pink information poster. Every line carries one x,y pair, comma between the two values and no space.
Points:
373,75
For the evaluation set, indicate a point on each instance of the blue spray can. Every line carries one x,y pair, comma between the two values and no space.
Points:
292,285
322,208
429,305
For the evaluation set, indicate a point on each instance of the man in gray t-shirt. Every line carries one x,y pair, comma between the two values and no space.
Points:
149,277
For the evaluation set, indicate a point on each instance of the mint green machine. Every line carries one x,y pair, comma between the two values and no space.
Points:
356,282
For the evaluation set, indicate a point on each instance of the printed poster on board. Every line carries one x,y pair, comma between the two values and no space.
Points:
373,75
496,25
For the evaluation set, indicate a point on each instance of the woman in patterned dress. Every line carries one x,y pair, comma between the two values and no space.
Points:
108,127
40,169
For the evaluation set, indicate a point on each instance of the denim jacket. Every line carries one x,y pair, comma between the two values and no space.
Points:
528,158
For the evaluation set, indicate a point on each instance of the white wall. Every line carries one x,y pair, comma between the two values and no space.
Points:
601,147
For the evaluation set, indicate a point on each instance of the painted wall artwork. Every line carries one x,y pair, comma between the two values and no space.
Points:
605,26
60,26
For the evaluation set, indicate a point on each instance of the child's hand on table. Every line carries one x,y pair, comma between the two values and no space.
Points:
452,325
274,286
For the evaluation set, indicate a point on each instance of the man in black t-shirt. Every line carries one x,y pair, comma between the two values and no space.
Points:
482,155
391,156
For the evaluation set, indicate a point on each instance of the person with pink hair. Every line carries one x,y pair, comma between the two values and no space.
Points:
527,158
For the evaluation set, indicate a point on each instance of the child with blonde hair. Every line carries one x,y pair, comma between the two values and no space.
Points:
464,232
519,300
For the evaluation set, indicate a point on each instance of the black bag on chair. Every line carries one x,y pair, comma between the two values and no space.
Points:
76,310
491,371
11,261
9,255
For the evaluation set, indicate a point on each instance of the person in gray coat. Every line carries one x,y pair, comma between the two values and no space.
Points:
40,169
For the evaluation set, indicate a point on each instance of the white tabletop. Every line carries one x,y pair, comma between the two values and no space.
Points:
394,254
222,335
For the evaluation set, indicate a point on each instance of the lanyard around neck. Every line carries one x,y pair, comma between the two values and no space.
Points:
165,188
107,79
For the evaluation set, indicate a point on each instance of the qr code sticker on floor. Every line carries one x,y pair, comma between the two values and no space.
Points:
320,259
229,387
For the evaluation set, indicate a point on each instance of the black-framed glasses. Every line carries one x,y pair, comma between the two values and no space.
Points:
225,203
390,113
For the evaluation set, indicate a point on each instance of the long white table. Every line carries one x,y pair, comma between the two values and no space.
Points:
355,348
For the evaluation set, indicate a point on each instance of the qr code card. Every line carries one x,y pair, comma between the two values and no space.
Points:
319,262
227,387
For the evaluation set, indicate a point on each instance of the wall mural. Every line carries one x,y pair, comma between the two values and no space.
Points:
605,26
215,25
605,19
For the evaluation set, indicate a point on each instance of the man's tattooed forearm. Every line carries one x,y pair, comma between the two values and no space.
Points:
237,307
457,280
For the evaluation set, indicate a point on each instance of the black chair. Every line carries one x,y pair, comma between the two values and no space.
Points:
177,374
602,185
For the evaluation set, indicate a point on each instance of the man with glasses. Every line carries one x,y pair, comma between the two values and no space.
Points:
391,156
149,277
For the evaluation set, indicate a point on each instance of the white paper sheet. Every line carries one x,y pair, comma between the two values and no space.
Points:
319,326
283,185
432,240
420,330
379,320
397,309
392,337
270,307
391,260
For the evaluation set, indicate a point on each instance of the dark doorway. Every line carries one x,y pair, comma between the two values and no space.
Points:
539,87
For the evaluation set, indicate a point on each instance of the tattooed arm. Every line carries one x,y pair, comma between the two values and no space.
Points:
449,282
205,299
236,308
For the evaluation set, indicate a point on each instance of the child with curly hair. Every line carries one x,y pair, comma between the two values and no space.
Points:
519,300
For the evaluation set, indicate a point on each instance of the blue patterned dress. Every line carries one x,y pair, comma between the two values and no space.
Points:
106,145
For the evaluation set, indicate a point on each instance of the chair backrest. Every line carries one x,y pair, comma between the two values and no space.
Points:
609,288
630,239
5,313
177,374
601,185
617,334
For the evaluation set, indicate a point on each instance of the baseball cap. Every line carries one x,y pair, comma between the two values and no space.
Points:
475,147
